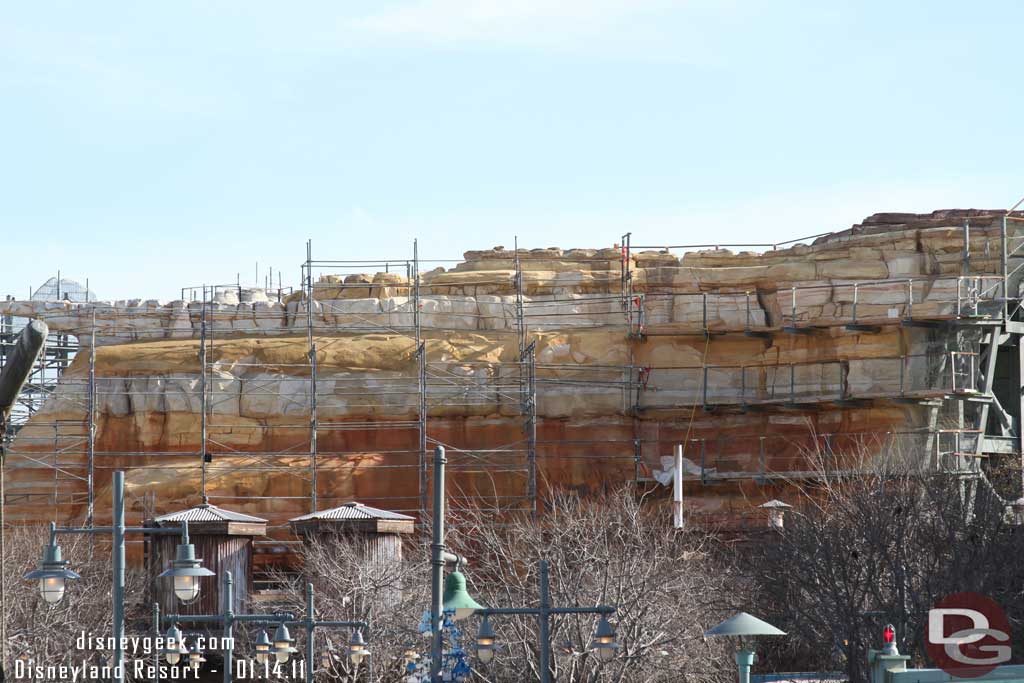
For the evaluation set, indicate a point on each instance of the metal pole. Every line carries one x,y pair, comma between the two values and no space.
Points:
967,246
91,446
704,311
229,617
421,387
521,302
311,341
310,625
118,548
3,550
529,404
744,660
1002,266
421,359
156,651
543,620
437,567
761,457
202,396
677,489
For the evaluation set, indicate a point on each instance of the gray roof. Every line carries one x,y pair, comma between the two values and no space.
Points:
743,624
207,513
774,504
354,511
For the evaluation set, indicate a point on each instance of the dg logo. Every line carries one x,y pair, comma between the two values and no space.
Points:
968,635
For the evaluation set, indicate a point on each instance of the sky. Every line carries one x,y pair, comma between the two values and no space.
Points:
153,146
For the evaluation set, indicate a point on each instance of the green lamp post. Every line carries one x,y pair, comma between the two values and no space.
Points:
446,593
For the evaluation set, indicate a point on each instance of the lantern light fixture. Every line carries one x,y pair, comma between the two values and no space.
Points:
52,573
174,645
263,648
195,656
186,569
486,641
604,640
357,647
283,644
456,597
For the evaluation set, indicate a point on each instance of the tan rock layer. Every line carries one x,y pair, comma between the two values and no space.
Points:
611,403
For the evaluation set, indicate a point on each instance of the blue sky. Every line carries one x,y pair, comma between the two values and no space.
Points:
148,146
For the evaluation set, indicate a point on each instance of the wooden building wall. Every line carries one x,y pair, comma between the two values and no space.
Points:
219,553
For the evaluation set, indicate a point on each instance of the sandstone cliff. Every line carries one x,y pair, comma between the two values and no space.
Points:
755,360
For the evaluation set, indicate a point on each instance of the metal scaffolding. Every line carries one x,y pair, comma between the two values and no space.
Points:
965,317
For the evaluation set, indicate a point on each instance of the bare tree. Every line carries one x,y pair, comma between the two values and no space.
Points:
666,586
389,596
46,634
881,545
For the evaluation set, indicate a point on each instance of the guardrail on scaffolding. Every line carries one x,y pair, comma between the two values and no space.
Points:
915,299
908,377
784,457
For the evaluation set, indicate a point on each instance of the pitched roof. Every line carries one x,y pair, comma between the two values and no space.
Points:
207,513
354,511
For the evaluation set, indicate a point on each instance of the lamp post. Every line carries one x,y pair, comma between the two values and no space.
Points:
280,646
456,599
53,572
453,595
743,626
604,636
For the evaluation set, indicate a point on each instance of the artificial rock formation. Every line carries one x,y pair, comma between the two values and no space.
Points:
753,360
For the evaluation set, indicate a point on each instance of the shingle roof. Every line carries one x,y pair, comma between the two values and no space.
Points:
354,511
207,513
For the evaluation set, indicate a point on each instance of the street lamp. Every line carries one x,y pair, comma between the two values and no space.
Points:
185,570
327,656
604,636
604,640
456,597
742,626
564,652
357,647
52,573
262,647
280,646
195,656
451,595
174,646
283,644
485,641
445,593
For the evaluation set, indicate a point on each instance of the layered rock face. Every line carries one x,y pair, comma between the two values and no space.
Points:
567,368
